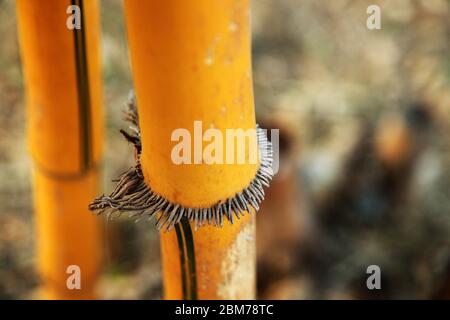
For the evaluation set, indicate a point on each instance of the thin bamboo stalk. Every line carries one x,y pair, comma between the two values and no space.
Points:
63,90
191,61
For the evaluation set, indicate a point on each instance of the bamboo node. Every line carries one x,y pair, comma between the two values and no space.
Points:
134,196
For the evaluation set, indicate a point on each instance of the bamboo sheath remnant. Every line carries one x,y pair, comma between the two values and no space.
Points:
133,195
191,61
63,89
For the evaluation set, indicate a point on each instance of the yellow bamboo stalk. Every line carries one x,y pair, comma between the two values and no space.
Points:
63,90
191,61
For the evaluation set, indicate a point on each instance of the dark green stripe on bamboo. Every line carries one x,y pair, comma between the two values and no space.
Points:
83,92
182,261
187,260
189,240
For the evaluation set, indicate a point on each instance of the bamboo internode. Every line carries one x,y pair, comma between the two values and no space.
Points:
191,61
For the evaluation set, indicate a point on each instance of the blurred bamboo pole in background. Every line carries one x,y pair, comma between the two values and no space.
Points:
63,90
191,60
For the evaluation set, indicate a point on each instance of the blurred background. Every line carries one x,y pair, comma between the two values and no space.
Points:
365,154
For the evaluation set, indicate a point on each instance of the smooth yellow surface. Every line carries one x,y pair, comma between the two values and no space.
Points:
191,61
48,58
67,234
